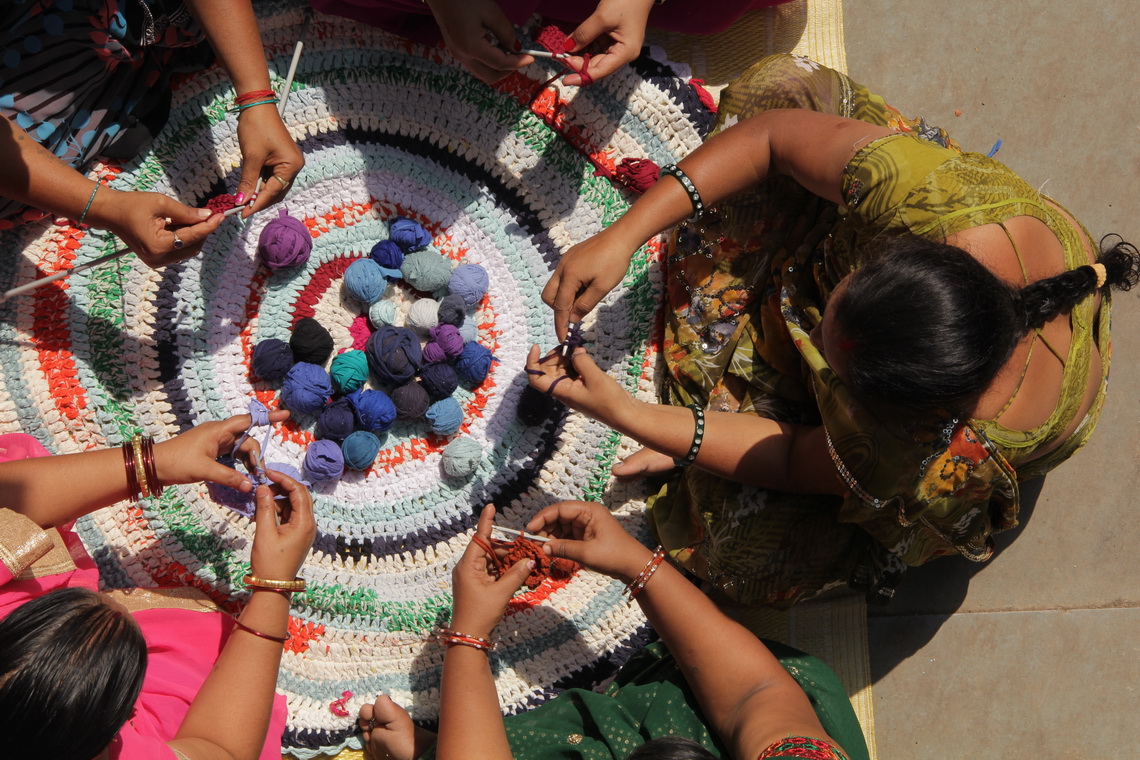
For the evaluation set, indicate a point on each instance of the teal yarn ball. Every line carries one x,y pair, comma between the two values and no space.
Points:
461,457
470,282
349,371
445,416
382,313
365,281
426,270
360,450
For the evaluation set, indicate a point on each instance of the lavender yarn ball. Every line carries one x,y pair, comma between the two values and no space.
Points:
365,281
452,310
284,242
408,234
290,470
474,363
272,359
374,410
306,389
324,460
461,457
411,401
337,420
426,270
387,254
470,282
423,315
439,380
360,450
349,371
469,331
311,342
445,416
382,313
394,354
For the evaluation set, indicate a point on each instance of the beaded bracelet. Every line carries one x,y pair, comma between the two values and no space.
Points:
79,222
247,629
698,437
687,184
266,584
243,106
634,587
451,638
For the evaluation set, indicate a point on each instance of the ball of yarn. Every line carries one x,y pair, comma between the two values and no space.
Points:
324,460
382,313
365,281
360,450
374,410
535,407
469,281
408,234
411,401
469,331
360,331
452,310
272,359
387,254
394,354
287,469
461,457
349,371
311,342
448,339
423,315
426,270
439,380
284,242
306,389
445,416
474,363
337,420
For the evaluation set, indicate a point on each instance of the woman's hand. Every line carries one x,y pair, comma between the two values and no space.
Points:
465,24
279,548
582,385
584,275
621,24
191,457
587,533
269,153
480,597
151,224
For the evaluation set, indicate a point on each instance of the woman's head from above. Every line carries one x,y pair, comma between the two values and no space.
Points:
71,667
925,326
671,748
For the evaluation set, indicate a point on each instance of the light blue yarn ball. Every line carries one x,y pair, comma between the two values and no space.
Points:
445,416
469,282
382,313
426,270
461,457
365,281
469,331
360,450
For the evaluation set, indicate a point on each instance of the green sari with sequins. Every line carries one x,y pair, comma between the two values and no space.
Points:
745,288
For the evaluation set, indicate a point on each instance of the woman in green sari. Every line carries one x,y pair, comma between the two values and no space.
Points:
877,338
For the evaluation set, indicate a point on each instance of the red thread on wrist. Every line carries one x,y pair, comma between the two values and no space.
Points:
252,95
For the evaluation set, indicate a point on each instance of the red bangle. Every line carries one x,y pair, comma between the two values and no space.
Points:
249,97
637,584
259,634
450,637
156,488
132,474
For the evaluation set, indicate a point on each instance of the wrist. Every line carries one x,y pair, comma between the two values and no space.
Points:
634,562
105,208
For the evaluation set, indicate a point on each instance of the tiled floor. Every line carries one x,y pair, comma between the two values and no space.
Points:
1036,653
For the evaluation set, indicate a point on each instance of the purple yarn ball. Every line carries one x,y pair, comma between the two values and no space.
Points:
474,363
324,460
337,420
284,242
272,359
408,234
470,282
306,389
387,254
447,337
439,380
394,354
374,410
411,401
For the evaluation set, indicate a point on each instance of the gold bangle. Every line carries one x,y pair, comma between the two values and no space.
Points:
140,469
252,581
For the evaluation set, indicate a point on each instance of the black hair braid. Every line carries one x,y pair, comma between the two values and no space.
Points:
1044,299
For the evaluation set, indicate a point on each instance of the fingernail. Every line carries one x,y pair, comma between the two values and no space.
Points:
205,213
569,46
518,45
530,564
239,198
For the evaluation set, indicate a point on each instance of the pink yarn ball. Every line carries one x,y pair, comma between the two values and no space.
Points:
360,331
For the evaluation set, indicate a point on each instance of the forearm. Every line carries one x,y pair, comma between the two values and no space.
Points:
45,489
470,719
30,174
231,28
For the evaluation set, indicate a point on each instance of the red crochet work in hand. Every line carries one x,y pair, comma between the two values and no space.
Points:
523,548
221,203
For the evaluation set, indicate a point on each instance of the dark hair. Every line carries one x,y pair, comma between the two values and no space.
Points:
671,748
71,669
929,327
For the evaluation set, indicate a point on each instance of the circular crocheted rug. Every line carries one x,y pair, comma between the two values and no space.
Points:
505,177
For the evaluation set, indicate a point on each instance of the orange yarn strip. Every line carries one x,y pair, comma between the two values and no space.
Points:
523,548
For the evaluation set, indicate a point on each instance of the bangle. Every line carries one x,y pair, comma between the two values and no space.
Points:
252,95
451,638
253,582
243,106
140,468
637,584
259,634
698,437
690,189
132,476
152,481
87,208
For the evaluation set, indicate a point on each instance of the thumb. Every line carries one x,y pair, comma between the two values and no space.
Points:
517,575
265,518
588,31
227,476
584,365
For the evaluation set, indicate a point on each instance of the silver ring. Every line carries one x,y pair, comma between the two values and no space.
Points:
178,242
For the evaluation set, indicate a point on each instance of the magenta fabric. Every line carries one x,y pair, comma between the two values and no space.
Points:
413,19
182,645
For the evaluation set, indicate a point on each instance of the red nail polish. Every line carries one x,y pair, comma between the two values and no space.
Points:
239,199
569,46
518,45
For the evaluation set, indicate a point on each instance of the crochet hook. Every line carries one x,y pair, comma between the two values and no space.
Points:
513,532
541,54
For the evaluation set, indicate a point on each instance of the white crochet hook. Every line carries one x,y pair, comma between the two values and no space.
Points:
513,532
541,53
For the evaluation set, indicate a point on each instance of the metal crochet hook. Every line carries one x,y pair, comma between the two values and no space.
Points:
513,532
541,53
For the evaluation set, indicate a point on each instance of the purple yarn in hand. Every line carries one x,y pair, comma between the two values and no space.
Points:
337,420
474,363
324,460
374,410
306,389
470,282
394,354
452,310
408,234
272,359
311,342
411,401
284,242
439,380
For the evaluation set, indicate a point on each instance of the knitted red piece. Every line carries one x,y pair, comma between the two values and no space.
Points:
554,39
704,95
638,174
221,203
524,548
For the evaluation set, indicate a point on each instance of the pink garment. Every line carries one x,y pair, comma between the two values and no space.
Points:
413,19
182,645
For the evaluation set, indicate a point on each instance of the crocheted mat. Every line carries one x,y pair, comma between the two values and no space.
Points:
502,177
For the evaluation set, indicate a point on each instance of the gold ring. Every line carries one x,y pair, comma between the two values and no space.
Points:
283,182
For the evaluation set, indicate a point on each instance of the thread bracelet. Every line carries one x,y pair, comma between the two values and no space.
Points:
698,437
243,106
634,587
259,634
252,95
252,582
690,189
452,638
90,200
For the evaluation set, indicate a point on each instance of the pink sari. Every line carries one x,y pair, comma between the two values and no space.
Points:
183,639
